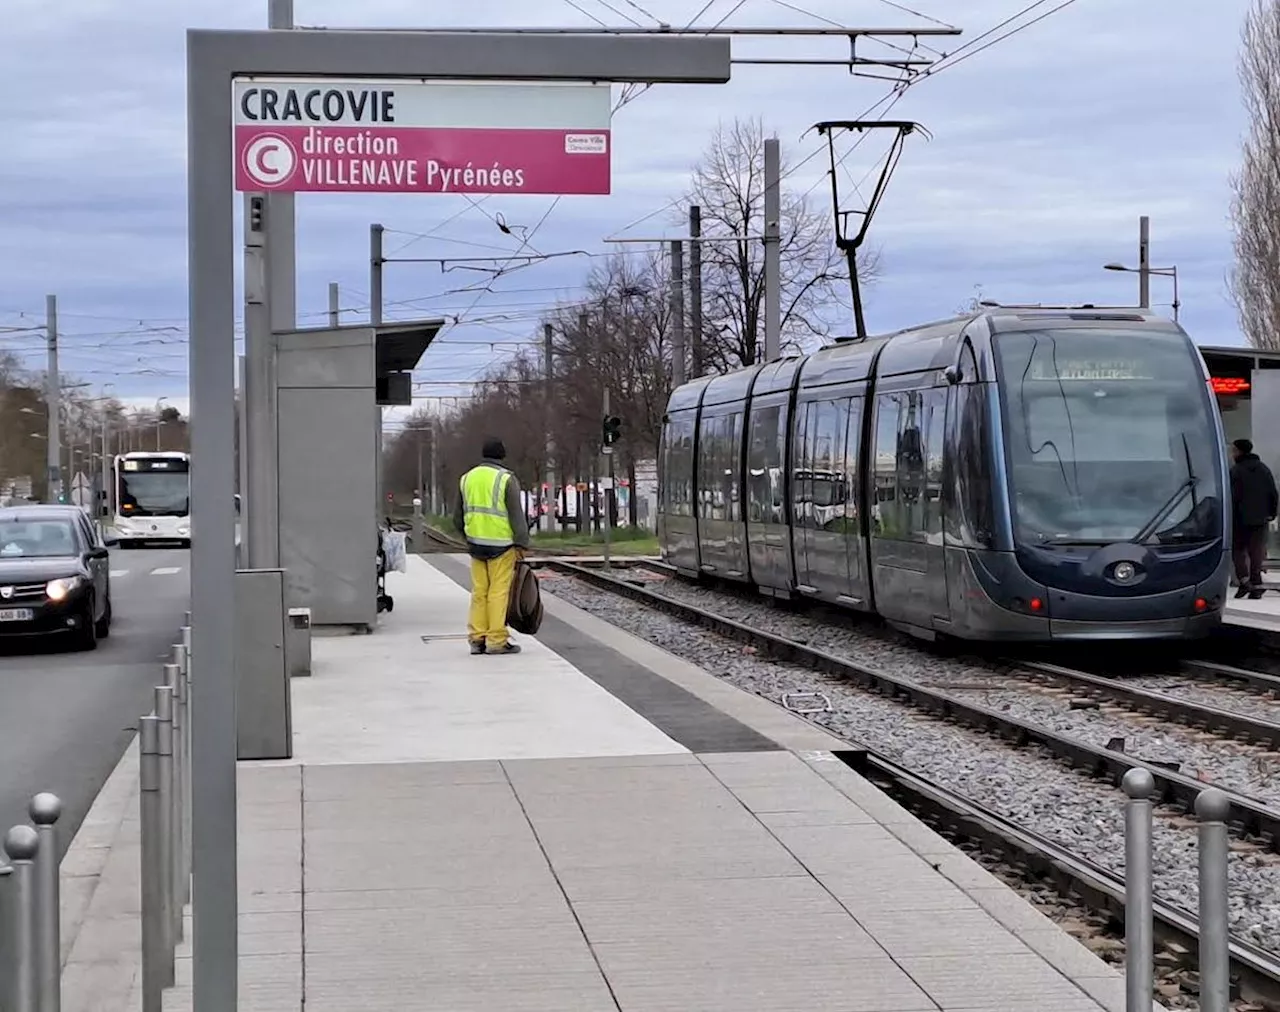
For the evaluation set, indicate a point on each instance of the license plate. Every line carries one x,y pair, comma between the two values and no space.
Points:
16,614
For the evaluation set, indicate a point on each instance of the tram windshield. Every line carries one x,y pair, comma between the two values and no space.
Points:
1108,437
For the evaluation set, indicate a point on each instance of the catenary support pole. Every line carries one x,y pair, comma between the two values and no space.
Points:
549,472
607,519
259,381
53,400
282,270
335,311
1139,785
376,260
772,250
104,504
695,291
1212,809
1144,262
45,810
678,354
22,847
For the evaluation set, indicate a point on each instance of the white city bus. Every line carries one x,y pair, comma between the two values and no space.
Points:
153,497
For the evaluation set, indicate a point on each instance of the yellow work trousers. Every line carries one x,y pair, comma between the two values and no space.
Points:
490,593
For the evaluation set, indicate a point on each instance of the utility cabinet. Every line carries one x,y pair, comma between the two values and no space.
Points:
331,385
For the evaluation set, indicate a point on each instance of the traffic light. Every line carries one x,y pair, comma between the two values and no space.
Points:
612,428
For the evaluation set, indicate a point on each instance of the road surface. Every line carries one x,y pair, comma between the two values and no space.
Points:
66,716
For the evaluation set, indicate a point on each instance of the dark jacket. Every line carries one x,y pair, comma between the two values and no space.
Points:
515,513
1253,492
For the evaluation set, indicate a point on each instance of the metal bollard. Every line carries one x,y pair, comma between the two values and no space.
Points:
164,746
173,679
1139,785
22,845
1212,809
181,657
45,810
154,973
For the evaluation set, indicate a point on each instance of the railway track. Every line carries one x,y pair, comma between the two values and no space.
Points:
1256,970
1248,817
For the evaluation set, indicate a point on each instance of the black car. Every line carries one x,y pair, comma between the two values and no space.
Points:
54,574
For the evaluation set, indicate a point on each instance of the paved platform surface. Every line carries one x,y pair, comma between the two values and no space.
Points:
1263,613
420,875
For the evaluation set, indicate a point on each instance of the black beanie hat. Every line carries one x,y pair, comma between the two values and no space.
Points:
493,449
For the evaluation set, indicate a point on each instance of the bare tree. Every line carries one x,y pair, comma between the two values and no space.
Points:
1255,207
728,184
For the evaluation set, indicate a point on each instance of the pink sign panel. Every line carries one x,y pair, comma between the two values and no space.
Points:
415,137
351,160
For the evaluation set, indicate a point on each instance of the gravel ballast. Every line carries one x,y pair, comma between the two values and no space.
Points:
1028,786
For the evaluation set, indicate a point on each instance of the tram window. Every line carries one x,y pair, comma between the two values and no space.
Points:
829,422
730,466
764,461
681,466
933,416
970,515
853,440
885,504
801,483
708,444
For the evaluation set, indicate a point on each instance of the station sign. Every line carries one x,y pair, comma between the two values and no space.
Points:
334,135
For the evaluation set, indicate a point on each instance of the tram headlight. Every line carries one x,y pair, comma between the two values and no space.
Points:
1125,571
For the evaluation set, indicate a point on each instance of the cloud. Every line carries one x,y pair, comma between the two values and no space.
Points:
1045,150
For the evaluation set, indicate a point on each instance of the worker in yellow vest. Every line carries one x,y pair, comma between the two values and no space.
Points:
491,514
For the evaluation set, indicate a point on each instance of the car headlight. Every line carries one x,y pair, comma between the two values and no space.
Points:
57,590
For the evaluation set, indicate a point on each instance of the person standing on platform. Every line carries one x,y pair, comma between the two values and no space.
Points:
1253,507
490,513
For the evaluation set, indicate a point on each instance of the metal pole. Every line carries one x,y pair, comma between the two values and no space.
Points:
375,274
104,504
608,491
282,272
177,807
772,250
436,496
45,810
1144,262
53,398
22,847
179,655
259,445
1139,785
677,313
549,471
419,527
168,829
695,289
1176,302
1212,809
334,310
155,976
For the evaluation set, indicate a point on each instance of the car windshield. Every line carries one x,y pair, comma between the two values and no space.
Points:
36,539
1108,437
154,493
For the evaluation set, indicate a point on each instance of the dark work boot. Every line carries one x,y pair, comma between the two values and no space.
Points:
477,646
1242,591
506,648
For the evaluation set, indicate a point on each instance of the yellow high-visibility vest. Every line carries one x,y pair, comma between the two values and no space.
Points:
484,506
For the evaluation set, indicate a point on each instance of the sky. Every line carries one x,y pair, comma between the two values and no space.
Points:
1045,149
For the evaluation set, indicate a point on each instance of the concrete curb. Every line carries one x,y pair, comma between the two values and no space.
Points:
101,898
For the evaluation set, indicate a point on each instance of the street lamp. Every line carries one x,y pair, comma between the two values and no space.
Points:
1164,272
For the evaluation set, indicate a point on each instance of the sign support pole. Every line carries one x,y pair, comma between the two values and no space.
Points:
607,500
214,61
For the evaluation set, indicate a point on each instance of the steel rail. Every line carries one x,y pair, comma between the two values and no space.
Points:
1247,816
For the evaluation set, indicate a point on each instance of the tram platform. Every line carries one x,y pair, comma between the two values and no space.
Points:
1262,614
590,825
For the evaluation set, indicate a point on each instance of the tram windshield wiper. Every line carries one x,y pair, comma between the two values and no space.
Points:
1188,485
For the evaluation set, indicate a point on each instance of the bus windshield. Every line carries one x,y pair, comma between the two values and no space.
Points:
154,488
1109,437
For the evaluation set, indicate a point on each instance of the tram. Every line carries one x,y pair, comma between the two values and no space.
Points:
1011,475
